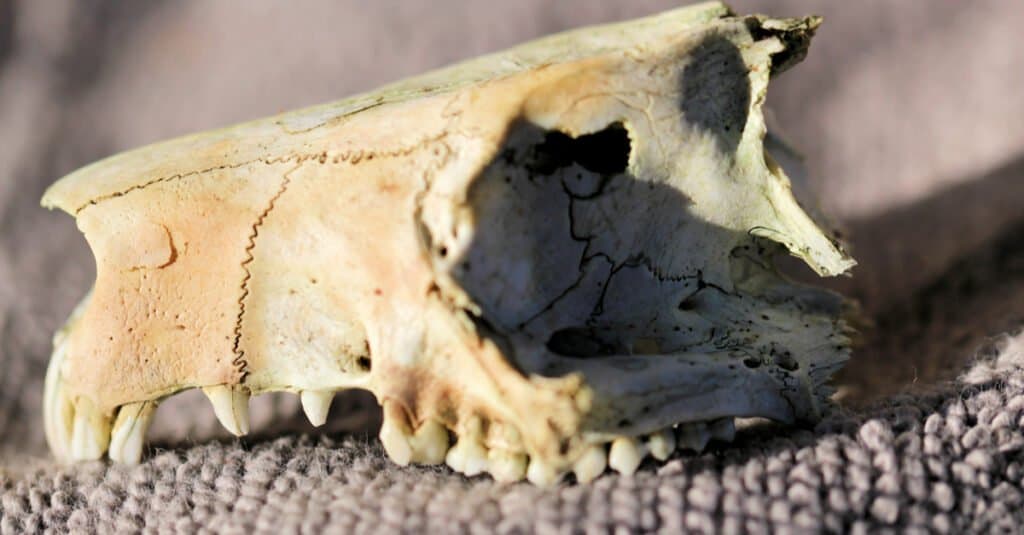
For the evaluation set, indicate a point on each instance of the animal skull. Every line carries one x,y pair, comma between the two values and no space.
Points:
543,252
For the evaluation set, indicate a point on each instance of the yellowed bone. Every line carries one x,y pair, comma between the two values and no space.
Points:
541,251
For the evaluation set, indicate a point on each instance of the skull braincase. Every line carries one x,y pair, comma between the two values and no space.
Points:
546,248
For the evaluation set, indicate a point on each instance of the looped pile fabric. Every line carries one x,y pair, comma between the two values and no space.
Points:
947,461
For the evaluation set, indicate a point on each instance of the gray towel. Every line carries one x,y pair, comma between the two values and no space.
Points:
909,115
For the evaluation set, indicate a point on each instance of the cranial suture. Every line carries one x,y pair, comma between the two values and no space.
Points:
552,259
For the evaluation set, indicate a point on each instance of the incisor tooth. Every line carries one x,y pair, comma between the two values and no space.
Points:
625,455
58,412
541,474
316,404
231,406
90,433
505,466
661,444
591,464
395,434
129,433
429,443
723,429
694,436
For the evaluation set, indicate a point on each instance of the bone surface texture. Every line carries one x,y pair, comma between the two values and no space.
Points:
543,262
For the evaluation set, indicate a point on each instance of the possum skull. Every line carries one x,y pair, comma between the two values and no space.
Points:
558,257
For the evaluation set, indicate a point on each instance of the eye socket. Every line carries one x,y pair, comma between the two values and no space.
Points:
604,152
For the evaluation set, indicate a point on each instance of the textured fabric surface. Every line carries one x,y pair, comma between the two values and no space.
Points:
908,115
948,462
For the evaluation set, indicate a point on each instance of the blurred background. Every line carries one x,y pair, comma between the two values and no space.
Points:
910,117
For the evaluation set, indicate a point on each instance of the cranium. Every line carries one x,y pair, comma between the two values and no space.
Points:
554,255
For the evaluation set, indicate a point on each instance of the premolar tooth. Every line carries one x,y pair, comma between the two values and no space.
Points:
506,466
694,436
316,404
625,455
723,429
90,433
468,456
395,435
541,474
231,406
591,464
129,432
661,444
429,443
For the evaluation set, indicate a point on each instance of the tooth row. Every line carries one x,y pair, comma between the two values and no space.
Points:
471,456
78,431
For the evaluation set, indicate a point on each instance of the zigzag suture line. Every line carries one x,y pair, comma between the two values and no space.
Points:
351,157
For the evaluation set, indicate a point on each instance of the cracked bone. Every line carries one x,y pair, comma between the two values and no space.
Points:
541,251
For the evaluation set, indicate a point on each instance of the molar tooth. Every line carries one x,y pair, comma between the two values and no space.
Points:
661,444
395,435
625,455
723,429
129,432
231,406
505,466
591,464
90,433
541,474
429,443
694,436
316,404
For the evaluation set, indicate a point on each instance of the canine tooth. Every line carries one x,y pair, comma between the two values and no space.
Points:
505,466
129,432
694,436
395,435
429,443
723,429
316,404
625,455
661,444
231,406
541,474
90,433
591,464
